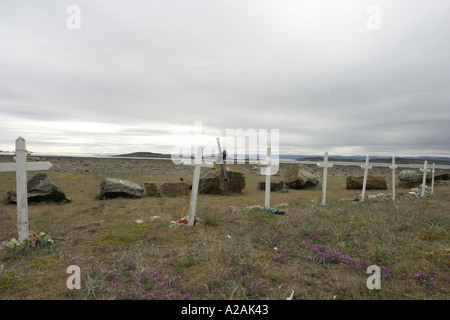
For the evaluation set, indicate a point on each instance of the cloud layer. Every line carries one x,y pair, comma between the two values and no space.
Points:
137,72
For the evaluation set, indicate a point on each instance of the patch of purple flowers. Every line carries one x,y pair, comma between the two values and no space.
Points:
329,256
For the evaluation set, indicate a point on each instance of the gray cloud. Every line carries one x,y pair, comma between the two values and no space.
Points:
311,69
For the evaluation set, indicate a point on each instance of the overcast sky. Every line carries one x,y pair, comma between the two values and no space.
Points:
136,72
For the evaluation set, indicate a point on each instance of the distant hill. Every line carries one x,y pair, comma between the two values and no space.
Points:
144,155
375,159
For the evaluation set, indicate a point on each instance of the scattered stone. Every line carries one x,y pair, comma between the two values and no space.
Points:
300,177
154,218
372,183
40,188
114,188
170,189
184,222
274,186
281,205
139,221
212,181
379,196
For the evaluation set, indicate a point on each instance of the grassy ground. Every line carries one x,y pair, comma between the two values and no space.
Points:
320,252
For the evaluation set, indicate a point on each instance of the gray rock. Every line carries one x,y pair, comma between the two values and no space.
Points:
153,189
408,184
300,177
40,188
408,175
372,183
409,179
114,188
274,186
212,181
170,189
442,176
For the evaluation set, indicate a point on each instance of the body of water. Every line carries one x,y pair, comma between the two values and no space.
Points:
288,161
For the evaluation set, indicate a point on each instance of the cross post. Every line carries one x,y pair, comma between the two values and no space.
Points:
267,170
198,164
432,179
424,181
393,167
325,165
21,167
366,168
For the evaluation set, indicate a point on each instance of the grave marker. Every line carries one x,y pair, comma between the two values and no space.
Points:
198,163
424,181
221,160
325,165
267,170
393,167
366,168
21,167
432,179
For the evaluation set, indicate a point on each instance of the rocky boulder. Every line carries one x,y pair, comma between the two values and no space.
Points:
437,177
212,181
300,177
408,175
408,179
170,189
40,188
274,186
372,183
114,188
442,176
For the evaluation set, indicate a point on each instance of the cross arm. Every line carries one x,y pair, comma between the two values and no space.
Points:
6,167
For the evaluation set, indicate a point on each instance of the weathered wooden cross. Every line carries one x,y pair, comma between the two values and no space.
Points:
393,167
424,181
21,167
198,163
366,168
325,165
267,171
432,179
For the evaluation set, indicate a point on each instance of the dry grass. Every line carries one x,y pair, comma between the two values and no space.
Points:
322,252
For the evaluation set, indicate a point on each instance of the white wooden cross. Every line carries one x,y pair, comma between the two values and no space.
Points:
325,165
21,167
424,182
432,179
393,167
198,163
366,168
267,171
